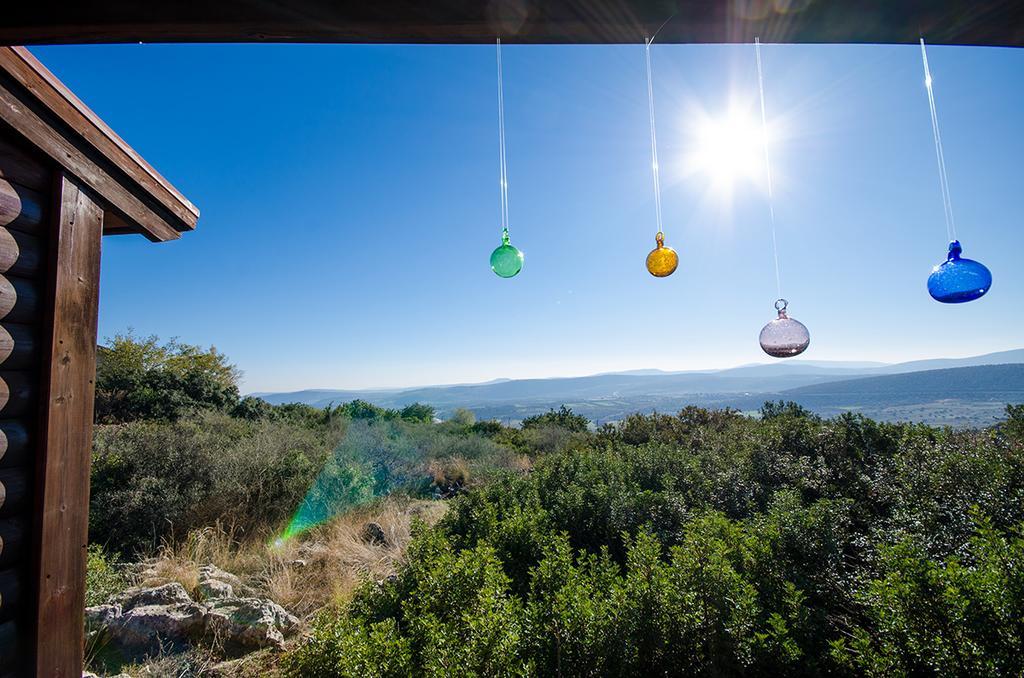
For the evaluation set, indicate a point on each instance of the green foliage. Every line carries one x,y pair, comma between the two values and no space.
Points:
339,646
360,409
784,408
562,418
253,409
943,617
1013,426
463,417
418,412
709,543
153,480
104,576
140,378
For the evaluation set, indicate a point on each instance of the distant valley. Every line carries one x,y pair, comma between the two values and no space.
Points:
955,391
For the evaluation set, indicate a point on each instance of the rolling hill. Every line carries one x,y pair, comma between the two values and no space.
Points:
955,391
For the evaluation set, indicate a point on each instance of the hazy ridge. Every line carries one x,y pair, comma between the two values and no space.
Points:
959,391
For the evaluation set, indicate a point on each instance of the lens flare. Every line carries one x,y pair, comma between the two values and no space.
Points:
344,483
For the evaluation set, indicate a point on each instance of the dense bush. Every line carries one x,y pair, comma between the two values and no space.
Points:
140,378
709,543
151,480
104,576
154,480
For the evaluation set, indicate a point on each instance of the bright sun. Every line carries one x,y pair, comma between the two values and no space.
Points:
727,149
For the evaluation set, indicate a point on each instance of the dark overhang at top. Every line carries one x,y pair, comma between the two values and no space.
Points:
994,22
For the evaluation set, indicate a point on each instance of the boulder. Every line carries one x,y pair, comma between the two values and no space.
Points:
147,628
373,533
213,572
168,594
145,621
215,589
99,617
248,623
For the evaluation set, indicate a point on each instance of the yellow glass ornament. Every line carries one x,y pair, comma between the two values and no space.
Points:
662,261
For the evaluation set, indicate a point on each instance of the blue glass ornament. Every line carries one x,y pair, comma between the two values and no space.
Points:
506,260
957,280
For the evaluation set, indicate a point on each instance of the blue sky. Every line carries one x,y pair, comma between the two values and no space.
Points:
349,204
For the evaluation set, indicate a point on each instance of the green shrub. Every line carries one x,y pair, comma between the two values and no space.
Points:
104,576
563,418
154,480
713,544
140,378
944,617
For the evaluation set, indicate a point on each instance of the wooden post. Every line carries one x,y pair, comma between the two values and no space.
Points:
65,431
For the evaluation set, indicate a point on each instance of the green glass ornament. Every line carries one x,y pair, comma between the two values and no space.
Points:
506,261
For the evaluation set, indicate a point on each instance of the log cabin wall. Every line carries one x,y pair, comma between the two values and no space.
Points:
26,185
66,179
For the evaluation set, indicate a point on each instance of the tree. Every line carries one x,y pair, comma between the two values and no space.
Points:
140,378
773,409
253,408
563,418
1014,424
418,412
463,417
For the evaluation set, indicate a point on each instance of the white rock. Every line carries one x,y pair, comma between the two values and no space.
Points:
168,594
214,572
151,626
98,617
214,589
249,623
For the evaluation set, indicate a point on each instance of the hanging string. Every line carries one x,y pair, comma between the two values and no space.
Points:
654,135
503,170
947,202
768,166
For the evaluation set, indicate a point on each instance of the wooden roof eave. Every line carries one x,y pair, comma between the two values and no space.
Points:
42,109
978,22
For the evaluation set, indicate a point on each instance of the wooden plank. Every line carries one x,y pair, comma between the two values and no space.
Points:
26,120
20,167
63,455
33,75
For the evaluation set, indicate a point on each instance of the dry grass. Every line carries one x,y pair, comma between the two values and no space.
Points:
306,573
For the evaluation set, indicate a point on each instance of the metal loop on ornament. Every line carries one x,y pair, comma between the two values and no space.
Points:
660,239
781,305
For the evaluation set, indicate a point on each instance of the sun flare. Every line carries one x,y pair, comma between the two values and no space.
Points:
727,149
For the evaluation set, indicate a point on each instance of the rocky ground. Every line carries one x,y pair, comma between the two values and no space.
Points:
147,622
215,607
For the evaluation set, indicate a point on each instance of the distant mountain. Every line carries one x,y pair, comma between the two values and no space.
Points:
956,396
824,386
1000,358
950,383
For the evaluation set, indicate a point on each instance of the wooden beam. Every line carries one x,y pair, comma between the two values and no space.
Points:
54,94
41,133
65,432
50,119
978,22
